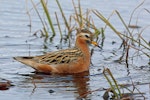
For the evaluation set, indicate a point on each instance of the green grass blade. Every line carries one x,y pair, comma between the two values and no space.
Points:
105,71
114,81
99,15
123,23
135,10
48,17
58,25
44,27
63,15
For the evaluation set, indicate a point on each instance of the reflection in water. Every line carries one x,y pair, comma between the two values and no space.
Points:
81,83
76,83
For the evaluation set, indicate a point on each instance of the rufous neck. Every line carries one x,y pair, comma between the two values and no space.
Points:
83,46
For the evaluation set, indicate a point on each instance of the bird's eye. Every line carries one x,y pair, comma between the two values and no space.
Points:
87,36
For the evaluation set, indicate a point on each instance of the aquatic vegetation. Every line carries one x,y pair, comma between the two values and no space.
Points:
48,17
79,20
128,40
117,90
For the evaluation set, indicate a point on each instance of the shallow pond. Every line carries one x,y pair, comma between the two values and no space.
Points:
17,39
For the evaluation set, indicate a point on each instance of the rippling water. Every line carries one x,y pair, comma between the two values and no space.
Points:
16,39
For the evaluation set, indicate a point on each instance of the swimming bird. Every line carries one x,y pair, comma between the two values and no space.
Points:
71,60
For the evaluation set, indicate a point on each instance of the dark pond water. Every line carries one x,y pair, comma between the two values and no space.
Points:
17,39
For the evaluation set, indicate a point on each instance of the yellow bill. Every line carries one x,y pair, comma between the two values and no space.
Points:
95,44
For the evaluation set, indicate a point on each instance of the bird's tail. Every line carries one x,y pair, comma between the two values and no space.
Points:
26,60
32,63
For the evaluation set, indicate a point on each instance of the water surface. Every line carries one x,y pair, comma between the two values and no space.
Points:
16,39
